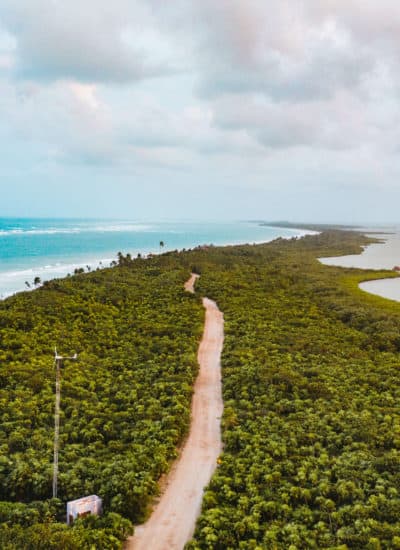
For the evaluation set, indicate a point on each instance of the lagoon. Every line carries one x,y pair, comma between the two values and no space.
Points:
384,255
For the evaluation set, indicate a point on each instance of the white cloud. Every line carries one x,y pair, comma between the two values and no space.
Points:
93,40
338,123
7,50
254,94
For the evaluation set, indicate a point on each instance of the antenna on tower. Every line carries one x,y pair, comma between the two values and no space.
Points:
58,359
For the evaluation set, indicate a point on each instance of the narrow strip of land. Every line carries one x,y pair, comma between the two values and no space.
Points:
173,519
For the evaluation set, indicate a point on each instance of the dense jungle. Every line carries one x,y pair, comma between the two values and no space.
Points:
311,424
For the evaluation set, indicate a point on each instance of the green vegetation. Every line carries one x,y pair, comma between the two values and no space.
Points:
32,527
125,403
311,424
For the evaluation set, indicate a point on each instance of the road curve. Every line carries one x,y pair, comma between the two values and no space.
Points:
173,519
189,285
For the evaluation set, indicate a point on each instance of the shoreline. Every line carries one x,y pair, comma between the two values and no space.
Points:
58,270
382,255
385,288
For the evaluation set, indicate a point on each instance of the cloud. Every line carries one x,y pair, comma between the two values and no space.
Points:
340,123
277,49
64,122
285,49
91,41
242,93
7,50
72,122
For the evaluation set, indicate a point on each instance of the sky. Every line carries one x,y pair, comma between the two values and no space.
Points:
227,109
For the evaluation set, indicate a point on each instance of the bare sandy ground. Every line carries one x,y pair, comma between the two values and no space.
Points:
189,285
173,519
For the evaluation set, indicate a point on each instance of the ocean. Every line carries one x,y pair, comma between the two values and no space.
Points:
51,248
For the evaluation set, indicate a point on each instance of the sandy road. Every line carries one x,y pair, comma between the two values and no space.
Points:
173,519
189,285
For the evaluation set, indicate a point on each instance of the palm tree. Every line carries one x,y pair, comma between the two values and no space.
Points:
162,244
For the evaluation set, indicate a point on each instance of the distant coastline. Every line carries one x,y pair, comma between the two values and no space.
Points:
23,241
47,249
383,253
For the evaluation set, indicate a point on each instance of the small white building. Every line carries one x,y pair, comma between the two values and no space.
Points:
82,507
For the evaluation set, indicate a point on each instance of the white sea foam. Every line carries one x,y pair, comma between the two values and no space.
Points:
50,231
86,228
15,281
24,270
121,228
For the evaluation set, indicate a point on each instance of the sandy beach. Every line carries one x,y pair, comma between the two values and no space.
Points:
383,255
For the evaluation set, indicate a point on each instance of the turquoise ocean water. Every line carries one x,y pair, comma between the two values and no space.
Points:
49,248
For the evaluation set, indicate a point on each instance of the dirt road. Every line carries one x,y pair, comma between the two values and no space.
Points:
189,285
173,519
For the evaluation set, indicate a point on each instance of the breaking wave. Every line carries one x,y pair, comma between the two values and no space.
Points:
112,228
